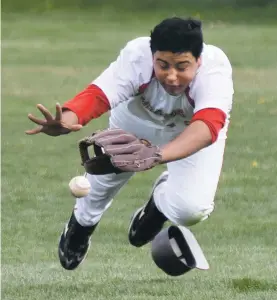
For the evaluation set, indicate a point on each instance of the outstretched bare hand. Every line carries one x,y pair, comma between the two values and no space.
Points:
53,126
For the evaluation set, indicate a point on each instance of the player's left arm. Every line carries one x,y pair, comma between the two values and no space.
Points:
213,101
201,133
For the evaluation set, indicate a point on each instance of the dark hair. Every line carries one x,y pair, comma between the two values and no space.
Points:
178,35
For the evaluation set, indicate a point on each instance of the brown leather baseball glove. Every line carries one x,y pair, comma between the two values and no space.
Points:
117,151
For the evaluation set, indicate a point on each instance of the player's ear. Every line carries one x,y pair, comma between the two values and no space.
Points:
199,61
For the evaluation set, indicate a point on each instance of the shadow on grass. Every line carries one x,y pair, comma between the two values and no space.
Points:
246,284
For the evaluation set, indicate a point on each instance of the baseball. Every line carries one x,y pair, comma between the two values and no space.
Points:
79,186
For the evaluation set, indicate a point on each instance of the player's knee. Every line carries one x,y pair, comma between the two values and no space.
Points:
192,214
187,211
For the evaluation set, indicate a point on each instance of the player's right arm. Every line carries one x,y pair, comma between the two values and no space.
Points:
61,123
85,106
116,84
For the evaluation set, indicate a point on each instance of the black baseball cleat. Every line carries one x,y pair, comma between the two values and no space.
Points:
74,244
147,221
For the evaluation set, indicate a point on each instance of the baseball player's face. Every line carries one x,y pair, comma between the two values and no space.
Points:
175,71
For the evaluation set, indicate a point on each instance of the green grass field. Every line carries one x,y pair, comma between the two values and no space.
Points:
48,59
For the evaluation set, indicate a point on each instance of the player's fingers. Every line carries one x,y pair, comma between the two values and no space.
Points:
34,131
36,120
58,112
48,116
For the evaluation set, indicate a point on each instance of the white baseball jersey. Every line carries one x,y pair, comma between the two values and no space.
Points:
129,84
140,105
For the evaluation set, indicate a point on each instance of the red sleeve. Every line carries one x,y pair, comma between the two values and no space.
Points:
214,118
89,104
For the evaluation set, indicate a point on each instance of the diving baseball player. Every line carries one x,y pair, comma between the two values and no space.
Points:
169,97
